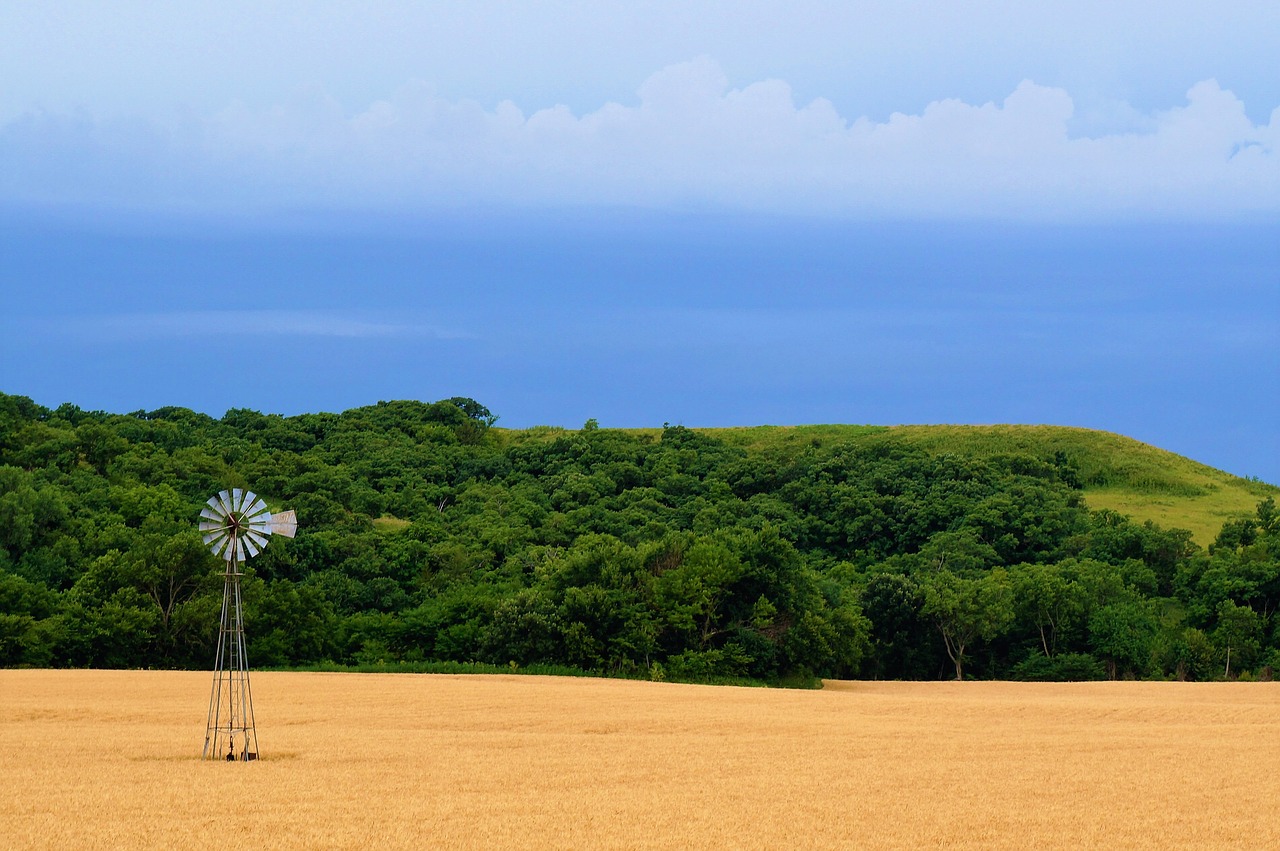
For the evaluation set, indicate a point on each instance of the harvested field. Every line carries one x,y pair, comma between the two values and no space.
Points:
109,759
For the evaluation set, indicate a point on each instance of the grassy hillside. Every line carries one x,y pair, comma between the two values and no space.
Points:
772,554
1117,472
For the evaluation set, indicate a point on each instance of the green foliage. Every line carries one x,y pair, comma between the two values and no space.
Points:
966,610
1239,631
1063,668
901,636
428,536
1124,634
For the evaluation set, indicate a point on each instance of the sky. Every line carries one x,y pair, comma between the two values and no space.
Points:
708,213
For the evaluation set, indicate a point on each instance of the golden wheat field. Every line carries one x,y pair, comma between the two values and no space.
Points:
109,759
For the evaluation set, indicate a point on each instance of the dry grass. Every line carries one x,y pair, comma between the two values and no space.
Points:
97,759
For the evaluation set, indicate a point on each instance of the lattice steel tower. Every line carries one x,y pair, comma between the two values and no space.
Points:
236,526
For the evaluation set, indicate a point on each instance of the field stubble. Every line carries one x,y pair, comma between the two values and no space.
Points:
109,759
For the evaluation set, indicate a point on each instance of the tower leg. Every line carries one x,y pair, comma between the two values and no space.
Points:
230,732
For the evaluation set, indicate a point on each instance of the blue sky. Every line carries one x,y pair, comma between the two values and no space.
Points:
708,213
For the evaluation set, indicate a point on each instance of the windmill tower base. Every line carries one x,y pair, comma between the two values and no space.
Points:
230,733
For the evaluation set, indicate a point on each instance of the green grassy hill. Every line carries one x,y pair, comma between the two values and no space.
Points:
1116,472
769,554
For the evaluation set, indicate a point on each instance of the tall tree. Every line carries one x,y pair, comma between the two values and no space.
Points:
1239,632
968,609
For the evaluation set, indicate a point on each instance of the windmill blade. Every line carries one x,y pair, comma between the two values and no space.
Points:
261,524
237,499
224,502
259,539
284,523
214,536
240,554
256,507
247,543
220,545
249,505
211,526
212,512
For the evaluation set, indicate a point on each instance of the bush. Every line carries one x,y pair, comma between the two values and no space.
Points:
1063,668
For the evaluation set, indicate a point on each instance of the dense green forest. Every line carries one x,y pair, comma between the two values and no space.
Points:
427,534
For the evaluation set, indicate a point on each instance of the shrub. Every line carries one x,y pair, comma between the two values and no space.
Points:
1063,668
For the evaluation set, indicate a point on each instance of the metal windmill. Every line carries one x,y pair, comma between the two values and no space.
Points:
236,526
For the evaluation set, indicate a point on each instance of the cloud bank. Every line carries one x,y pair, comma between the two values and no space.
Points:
688,140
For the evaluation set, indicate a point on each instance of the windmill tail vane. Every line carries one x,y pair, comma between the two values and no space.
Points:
236,526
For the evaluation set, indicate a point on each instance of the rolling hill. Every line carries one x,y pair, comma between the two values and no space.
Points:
764,554
1115,472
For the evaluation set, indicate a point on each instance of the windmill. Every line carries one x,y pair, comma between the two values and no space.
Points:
236,525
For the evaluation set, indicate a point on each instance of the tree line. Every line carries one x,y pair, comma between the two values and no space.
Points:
426,534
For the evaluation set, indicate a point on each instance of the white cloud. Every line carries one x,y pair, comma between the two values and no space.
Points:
690,139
